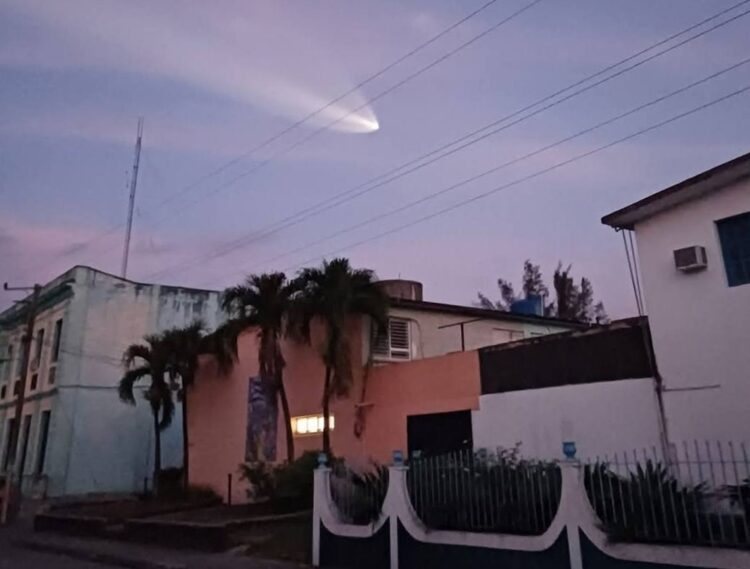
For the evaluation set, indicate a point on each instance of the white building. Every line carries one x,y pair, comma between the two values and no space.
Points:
423,329
693,242
76,436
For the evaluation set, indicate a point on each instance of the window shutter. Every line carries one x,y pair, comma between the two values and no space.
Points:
393,343
399,339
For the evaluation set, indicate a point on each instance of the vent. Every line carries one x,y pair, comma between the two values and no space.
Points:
690,259
394,343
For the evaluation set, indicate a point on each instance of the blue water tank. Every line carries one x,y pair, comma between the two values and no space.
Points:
530,305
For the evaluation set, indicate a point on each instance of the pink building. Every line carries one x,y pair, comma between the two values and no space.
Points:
402,385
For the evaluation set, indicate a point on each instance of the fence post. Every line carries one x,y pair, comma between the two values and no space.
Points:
571,507
320,496
396,500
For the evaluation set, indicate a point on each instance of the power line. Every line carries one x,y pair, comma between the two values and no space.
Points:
503,165
399,172
532,176
316,112
377,97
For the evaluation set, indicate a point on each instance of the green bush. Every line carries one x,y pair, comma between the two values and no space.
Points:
289,482
359,496
170,483
485,492
648,504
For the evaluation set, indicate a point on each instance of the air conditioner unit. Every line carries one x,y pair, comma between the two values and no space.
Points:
690,259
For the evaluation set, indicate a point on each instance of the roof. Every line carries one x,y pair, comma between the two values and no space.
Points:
590,330
58,289
482,313
693,188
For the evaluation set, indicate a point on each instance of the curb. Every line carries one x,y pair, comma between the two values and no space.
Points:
95,556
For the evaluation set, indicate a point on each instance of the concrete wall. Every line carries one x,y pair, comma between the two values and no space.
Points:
602,418
700,326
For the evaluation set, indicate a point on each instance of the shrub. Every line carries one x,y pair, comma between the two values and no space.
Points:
359,496
488,492
739,495
289,482
170,483
647,504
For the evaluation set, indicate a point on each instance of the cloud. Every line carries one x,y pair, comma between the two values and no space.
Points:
227,57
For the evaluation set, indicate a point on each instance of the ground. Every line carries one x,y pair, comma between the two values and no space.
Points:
14,557
21,547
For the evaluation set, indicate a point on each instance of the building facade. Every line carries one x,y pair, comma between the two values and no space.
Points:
693,242
76,436
414,375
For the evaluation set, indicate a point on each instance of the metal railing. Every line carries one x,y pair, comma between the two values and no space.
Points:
358,496
699,495
484,491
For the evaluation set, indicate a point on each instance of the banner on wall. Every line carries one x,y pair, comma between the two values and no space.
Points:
262,418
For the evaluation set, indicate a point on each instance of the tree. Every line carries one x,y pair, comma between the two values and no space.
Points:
264,301
572,301
182,348
533,283
332,294
152,362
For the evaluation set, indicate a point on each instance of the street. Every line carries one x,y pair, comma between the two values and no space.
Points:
13,557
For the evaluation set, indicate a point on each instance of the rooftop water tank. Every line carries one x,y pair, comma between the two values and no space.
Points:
403,289
529,305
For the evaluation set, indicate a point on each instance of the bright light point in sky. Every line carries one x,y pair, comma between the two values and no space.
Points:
362,122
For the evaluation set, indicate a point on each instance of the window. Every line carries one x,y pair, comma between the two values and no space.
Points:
16,387
56,340
38,347
394,342
3,391
310,424
34,381
42,446
10,453
25,445
51,375
9,363
734,236
503,335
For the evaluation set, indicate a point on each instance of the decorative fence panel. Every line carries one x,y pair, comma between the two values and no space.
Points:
484,492
478,510
700,496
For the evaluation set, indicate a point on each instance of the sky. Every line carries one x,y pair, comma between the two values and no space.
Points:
216,80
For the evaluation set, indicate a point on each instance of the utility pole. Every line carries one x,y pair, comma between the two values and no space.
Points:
15,434
131,206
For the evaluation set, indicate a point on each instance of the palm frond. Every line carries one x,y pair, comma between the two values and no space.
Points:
128,381
134,352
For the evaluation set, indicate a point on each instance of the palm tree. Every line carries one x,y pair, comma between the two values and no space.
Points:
264,301
333,293
153,362
183,347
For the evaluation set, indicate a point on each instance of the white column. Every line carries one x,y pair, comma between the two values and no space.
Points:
571,508
395,505
320,498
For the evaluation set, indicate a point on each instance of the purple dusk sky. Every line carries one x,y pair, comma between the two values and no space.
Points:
214,79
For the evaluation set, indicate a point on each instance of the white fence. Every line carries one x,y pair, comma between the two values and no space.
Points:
575,522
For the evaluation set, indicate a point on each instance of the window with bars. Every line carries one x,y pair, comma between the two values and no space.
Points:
8,371
393,343
56,340
734,236
38,347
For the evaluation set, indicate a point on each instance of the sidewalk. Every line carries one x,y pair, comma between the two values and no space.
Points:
130,555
